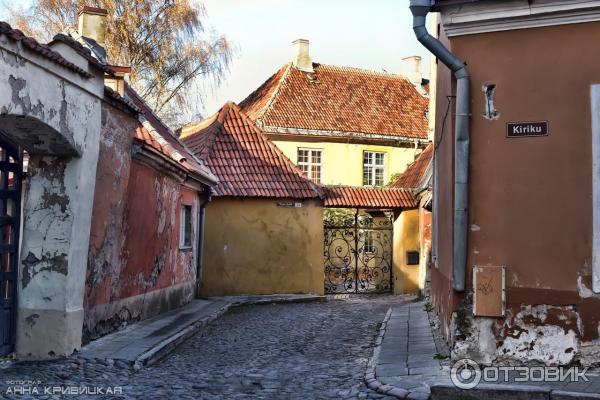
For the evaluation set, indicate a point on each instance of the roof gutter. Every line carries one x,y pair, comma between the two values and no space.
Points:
420,9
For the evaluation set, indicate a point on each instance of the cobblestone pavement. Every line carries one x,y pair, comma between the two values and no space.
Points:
283,351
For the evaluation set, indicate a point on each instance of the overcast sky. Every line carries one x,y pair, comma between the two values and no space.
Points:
371,34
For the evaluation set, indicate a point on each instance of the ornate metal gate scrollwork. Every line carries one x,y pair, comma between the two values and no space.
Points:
358,254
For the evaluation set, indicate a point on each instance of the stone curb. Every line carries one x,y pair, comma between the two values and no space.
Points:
167,346
164,348
443,391
371,379
375,384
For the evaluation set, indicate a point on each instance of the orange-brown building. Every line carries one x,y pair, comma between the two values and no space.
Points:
515,272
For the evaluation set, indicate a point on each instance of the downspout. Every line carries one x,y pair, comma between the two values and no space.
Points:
420,9
204,200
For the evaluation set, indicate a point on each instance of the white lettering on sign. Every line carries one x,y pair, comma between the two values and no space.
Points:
525,129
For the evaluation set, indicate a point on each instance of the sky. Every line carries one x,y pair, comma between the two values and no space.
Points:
371,34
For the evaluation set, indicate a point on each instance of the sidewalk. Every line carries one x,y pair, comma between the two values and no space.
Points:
148,341
407,364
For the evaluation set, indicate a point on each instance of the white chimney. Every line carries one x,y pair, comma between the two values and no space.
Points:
302,59
411,68
92,24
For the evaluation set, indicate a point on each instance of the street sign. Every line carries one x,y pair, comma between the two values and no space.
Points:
526,129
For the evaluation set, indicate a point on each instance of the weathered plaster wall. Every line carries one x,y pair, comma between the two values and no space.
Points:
54,113
406,238
424,245
252,246
135,267
519,190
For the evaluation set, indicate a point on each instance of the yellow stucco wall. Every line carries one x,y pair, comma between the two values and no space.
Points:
253,246
406,238
343,162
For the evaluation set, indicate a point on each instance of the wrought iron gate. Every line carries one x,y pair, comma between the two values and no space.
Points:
11,171
358,254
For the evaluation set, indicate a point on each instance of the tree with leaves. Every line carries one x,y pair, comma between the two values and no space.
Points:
167,43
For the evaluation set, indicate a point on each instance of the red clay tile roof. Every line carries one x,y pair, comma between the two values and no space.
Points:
339,100
368,197
152,132
246,162
41,49
413,177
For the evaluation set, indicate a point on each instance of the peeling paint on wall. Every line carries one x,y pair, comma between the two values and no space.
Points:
134,247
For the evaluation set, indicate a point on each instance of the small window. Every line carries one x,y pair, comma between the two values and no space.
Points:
185,236
310,162
369,244
373,168
412,258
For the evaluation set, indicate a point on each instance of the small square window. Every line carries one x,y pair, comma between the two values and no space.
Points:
185,237
412,258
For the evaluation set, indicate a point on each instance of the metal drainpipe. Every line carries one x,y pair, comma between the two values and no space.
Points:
201,218
420,9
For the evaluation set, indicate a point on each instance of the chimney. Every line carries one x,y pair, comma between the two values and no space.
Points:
119,79
411,68
301,58
92,24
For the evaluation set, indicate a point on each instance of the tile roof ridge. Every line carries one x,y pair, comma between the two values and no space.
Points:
316,188
345,68
130,91
275,93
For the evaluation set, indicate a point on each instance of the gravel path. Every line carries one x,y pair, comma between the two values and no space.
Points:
284,351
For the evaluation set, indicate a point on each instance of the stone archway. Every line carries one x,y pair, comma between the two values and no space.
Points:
52,109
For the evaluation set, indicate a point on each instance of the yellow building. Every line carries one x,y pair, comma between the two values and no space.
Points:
264,226
339,125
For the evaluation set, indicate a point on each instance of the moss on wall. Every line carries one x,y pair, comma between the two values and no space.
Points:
254,246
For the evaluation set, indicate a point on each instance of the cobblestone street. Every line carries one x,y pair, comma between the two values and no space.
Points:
283,351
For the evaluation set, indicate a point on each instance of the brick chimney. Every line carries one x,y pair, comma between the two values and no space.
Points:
302,59
91,24
411,68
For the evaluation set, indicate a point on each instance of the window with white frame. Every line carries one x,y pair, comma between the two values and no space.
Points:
373,168
185,233
310,161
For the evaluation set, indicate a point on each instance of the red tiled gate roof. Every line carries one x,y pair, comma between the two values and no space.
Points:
342,100
368,197
413,177
244,160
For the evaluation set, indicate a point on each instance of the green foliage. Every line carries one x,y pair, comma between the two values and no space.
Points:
339,216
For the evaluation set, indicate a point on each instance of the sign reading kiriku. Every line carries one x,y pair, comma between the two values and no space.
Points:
526,129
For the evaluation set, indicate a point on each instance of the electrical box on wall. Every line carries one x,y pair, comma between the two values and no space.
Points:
489,291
